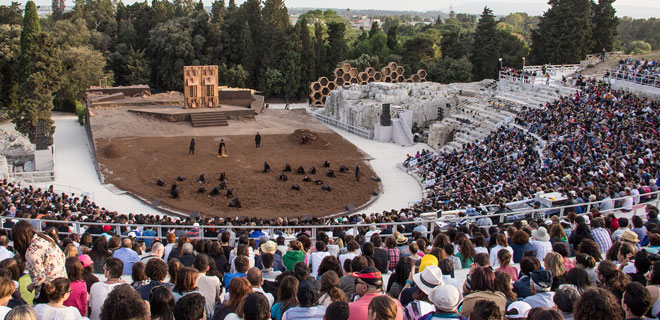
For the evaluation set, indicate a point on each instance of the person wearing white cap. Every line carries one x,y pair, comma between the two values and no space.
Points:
425,281
541,242
446,299
518,310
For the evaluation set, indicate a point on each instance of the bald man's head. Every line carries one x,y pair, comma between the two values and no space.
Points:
254,276
127,243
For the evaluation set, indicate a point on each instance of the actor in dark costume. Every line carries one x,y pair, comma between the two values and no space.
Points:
344,169
174,191
307,179
201,179
357,171
160,182
318,182
235,203
214,192
283,177
191,149
287,168
180,178
300,170
257,140
266,167
295,187
331,174
223,185
222,149
230,193
312,170
326,164
201,190
223,176
326,188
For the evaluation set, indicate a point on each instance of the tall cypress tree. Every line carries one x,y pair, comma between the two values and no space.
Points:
307,56
563,34
36,90
320,48
29,35
337,47
604,23
392,41
486,48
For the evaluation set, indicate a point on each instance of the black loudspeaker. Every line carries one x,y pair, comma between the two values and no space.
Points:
385,117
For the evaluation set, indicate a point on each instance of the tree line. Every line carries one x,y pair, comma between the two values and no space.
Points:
48,62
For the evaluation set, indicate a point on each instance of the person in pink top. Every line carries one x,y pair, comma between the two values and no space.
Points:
504,258
369,285
78,296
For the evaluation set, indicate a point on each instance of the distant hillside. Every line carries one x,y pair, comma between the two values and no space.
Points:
375,13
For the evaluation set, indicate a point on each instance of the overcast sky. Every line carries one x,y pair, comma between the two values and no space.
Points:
633,8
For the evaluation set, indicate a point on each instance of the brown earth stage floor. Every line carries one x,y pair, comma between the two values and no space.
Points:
135,164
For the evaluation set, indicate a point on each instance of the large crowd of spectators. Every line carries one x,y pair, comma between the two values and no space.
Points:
639,71
579,267
599,144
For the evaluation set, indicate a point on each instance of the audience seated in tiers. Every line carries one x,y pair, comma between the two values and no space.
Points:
642,71
600,145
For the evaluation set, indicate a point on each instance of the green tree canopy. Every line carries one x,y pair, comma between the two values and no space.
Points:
486,47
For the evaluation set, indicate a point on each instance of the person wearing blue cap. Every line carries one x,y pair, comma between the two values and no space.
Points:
541,282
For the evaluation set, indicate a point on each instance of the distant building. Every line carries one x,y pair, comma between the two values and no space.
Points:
362,22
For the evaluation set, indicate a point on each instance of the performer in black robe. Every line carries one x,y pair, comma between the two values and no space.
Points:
191,149
257,140
222,149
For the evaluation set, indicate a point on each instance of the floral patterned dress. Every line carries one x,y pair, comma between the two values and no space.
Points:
44,261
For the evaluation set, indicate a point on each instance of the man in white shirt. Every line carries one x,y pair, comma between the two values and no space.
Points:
254,276
623,226
157,251
4,252
171,241
208,286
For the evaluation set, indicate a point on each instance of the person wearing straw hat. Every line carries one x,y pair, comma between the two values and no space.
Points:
446,299
629,236
425,281
402,244
270,247
541,243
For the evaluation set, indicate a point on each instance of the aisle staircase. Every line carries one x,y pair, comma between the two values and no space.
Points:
209,119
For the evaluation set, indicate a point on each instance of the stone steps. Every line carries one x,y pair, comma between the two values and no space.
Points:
209,119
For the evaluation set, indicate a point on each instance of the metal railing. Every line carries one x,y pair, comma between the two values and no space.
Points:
554,69
430,220
358,131
636,78
33,177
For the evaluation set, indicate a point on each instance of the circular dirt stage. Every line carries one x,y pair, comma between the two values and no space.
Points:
136,164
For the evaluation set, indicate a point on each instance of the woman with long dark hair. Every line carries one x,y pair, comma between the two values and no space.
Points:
286,297
43,258
161,303
99,253
398,279
466,253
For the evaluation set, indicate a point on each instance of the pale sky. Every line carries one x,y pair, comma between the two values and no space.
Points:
633,8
